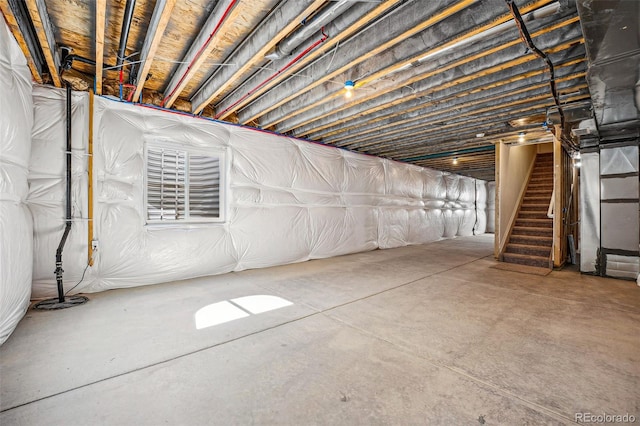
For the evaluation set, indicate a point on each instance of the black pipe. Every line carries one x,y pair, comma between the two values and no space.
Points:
67,227
124,34
526,38
67,62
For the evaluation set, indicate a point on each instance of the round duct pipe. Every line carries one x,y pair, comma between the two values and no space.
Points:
289,44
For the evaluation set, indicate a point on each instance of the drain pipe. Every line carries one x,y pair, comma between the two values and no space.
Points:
62,302
124,36
124,33
67,227
288,45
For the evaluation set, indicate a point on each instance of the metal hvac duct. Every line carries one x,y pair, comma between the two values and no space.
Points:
612,33
288,45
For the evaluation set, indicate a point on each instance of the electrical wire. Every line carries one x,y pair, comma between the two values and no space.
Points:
200,51
81,279
526,38
335,50
277,73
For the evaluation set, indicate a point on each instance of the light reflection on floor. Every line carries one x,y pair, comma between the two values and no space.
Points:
241,307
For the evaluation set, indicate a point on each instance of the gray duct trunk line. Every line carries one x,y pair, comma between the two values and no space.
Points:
246,52
453,129
421,143
288,45
454,126
392,93
362,120
465,137
412,121
366,42
403,49
427,88
337,26
482,100
382,88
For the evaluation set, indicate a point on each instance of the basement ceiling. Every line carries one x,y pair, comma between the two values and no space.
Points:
433,81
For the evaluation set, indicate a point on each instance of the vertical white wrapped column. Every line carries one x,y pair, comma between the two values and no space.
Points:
16,228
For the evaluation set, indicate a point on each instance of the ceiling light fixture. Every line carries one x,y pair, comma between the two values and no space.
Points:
455,160
349,86
521,137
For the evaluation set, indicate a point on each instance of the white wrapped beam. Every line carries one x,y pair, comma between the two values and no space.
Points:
491,207
16,229
288,201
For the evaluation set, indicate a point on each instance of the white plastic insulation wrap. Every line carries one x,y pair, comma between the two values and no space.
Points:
481,207
16,230
287,201
47,186
491,207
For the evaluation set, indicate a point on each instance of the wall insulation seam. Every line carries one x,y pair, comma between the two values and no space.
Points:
16,227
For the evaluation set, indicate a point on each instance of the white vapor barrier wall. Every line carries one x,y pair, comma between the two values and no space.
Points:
16,231
47,186
481,207
491,207
287,201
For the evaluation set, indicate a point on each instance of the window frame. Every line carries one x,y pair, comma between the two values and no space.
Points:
220,153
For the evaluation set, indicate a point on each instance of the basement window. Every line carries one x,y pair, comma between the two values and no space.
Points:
183,184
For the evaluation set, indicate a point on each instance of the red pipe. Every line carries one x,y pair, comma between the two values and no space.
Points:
199,52
293,61
133,89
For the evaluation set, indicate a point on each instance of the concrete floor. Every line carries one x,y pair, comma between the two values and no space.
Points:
427,334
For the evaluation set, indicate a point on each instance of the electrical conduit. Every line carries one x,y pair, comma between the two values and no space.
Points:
199,53
277,73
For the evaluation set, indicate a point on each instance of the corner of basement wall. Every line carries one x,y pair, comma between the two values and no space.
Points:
16,225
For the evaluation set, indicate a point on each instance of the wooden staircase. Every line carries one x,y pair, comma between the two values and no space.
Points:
531,238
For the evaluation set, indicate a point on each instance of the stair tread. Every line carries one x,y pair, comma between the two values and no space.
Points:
529,227
531,239
522,239
525,256
528,246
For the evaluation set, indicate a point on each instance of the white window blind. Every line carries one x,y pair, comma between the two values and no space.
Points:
183,185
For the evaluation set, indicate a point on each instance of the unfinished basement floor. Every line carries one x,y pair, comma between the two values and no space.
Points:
428,334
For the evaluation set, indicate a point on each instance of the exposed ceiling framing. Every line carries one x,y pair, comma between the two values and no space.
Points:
433,81
44,31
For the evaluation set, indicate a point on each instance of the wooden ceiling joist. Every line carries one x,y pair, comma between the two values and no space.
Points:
217,86
44,31
389,70
441,15
200,49
159,21
333,41
101,16
14,26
